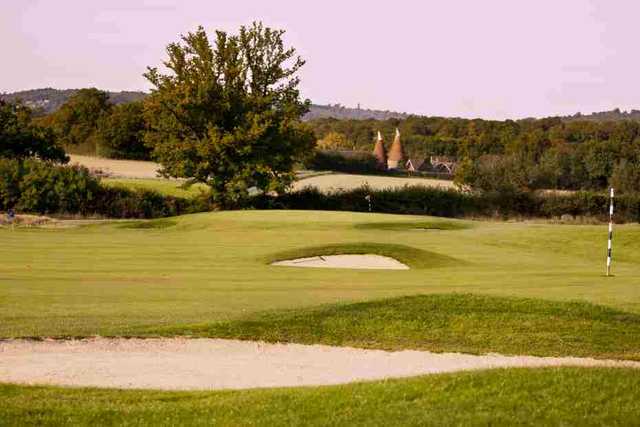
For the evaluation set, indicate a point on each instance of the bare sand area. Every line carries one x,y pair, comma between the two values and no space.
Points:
207,364
367,262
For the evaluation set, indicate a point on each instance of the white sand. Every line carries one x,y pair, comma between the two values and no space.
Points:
340,181
205,364
373,262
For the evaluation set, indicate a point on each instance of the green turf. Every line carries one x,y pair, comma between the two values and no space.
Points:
552,396
463,323
118,279
163,186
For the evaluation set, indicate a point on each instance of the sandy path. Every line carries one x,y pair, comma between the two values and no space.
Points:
367,262
337,181
188,364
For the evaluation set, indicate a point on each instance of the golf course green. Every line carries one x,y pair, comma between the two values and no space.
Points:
477,287
129,277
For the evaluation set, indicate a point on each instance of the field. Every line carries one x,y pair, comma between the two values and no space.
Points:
141,174
473,287
342,181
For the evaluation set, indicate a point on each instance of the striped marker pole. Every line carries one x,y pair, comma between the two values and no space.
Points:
610,234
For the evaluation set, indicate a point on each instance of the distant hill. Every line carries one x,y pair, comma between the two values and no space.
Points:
605,116
48,100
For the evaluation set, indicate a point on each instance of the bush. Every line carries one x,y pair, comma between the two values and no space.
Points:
36,186
418,200
349,162
44,188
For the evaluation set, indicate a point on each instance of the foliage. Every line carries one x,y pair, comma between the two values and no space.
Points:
21,138
41,187
75,123
626,176
35,186
420,200
228,114
333,141
507,155
341,162
120,134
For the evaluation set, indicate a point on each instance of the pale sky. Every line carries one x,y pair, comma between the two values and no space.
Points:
469,58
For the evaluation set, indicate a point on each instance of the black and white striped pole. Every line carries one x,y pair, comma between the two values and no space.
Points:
610,234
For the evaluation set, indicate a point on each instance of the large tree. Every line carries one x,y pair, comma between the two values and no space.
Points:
21,138
228,114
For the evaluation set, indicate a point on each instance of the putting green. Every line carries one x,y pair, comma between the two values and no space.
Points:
119,278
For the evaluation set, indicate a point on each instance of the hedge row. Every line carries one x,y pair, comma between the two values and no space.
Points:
44,188
40,187
418,200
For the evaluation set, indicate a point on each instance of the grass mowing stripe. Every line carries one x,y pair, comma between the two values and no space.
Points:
549,396
444,323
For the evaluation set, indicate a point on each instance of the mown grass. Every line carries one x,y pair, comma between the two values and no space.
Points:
210,267
412,257
440,224
550,396
445,323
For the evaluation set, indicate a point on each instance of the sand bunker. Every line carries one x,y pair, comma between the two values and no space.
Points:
375,262
205,364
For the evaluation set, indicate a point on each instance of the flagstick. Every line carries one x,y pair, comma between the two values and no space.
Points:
610,235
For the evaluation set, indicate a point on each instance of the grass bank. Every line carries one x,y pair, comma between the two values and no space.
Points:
551,396
446,323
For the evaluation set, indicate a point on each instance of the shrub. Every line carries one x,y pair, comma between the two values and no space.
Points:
45,188
349,162
418,200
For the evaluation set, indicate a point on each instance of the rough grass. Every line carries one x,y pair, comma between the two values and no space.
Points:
412,257
446,323
166,187
550,396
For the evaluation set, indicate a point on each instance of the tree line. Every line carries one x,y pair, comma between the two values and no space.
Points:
523,155
228,113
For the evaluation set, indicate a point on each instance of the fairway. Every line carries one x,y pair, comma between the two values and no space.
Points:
125,278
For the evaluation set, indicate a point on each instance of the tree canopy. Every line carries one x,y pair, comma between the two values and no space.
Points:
120,134
76,121
21,138
228,114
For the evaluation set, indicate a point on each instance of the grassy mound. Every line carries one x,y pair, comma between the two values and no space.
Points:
565,396
420,225
443,323
413,257
156,223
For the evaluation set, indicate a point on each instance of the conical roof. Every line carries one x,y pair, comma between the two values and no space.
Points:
379,152
396,152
